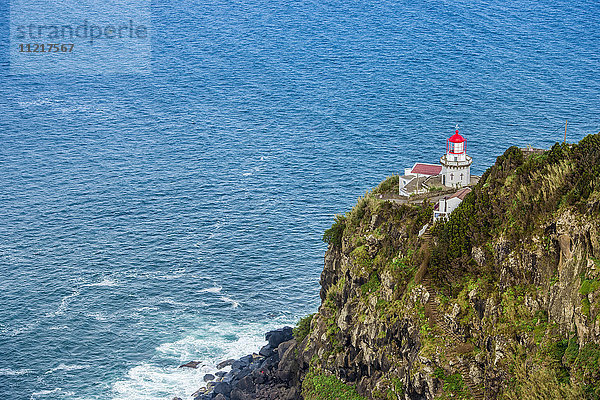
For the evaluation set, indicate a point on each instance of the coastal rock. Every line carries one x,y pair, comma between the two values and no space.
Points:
223,388
209,377
266,351
278,336
225,363
243,373
242,362
271,361
238,394
191,364
283,347
289,366
228,377
199,392
246,384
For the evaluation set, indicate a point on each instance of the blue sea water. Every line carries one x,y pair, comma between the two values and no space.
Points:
147,220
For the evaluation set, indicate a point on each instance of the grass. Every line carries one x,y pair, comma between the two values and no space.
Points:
371,286
539,382
302,329
587,286
327,387
453,386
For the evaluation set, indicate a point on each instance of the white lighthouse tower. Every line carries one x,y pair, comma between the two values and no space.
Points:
456,164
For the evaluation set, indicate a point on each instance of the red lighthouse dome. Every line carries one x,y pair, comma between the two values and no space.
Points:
456,138
456,144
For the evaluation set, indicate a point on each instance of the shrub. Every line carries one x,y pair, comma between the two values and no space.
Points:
539,382
389,185
360,257
453,385
588,363
302,329
334,234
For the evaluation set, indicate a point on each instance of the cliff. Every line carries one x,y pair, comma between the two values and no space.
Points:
501,301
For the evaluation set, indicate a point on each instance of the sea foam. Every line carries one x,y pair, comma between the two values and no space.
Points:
160,377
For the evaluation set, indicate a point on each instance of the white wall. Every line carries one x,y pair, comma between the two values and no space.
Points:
445,207
453,176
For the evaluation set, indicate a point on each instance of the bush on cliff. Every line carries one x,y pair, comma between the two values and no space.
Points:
334,234
539,382
389,185
302,329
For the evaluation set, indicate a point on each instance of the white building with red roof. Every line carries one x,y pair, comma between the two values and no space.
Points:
454,170
448,204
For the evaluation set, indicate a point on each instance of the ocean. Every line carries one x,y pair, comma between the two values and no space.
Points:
150,219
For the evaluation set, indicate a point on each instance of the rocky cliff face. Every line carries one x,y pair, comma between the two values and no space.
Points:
501,301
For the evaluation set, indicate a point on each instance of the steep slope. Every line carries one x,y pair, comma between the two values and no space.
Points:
501,301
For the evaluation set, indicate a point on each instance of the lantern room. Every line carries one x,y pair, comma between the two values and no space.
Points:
456,144
456,148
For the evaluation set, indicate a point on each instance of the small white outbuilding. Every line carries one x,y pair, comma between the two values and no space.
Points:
448,204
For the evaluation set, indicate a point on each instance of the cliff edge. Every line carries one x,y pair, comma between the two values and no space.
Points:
502,301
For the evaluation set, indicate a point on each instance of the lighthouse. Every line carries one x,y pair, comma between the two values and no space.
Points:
456,164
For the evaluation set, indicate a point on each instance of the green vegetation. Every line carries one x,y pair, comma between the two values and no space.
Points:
389,185
334,234
587,286
355,216
587,368
371,286
424,215
330,312
402,270
515,194
453,386
539,382
327,387
302,329
361,258
571,352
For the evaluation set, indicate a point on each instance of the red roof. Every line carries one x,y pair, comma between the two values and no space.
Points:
461,193
426,169
456,138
